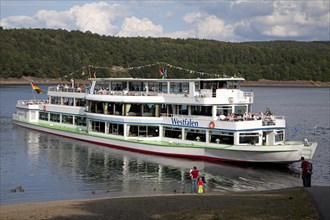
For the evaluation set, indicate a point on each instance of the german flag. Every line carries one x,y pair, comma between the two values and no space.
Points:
36,88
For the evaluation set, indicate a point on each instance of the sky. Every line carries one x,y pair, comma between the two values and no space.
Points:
222,20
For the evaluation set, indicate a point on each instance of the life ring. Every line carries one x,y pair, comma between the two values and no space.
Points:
44,108
212,125
230,100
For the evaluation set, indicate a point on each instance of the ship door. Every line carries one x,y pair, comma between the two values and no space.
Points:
264,138
267,138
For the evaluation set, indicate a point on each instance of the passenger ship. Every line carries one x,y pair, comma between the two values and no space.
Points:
203,119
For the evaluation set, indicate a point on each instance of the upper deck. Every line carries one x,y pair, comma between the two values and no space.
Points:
203,91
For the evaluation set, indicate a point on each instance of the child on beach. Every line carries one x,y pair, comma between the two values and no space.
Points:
200,185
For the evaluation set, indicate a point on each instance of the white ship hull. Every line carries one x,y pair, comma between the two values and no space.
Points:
262,154
204,119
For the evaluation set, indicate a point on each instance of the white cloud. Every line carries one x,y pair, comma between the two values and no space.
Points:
19,22
97,17
208,26
288,20
192,17
54,19
140,27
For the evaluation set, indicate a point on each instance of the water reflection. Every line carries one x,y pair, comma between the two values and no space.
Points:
139,173
67,169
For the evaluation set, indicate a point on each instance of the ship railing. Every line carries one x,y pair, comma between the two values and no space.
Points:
69,89
126,93
31,102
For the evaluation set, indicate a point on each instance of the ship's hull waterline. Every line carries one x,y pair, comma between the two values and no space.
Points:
267,154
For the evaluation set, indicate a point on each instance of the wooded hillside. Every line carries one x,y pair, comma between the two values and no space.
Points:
50,53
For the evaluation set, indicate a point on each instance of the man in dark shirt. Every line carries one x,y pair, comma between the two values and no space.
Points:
306,174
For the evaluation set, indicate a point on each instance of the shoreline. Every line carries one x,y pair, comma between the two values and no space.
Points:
260,83
292,203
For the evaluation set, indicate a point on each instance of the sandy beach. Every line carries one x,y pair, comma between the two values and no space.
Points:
279,204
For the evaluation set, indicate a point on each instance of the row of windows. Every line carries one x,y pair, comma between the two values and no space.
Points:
55,100
190,134
143,86
66,119
198,135
146,110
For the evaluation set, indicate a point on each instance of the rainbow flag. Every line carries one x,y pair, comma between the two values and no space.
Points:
36,88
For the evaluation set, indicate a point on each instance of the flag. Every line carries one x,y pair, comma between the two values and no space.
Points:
35,87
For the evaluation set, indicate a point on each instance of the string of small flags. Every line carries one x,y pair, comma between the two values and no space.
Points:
173,67
89,68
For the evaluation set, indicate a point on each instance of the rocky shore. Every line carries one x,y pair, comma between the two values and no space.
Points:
279,204
260,83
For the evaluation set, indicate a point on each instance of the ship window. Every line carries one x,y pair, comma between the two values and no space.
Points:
80,102
197,87
221,137
81,121
67,101
224,110
118,109
107,108
149,110
153,131
279,136
195,135
55,100
249,138
239,110
55,117
43,116
185,87
97,126
67,119
201,110
116,129
233,85
172,132
133,109
153,86
163,87
183,109
143,131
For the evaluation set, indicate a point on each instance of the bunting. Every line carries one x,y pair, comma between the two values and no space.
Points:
86,70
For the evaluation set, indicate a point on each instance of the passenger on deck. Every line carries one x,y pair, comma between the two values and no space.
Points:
222,117
245,116
268,112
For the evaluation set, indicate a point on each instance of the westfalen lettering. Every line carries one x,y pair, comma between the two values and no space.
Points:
184,122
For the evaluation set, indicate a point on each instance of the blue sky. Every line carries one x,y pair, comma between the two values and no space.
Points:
226,20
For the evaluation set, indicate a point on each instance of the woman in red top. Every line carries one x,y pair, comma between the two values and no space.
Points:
194,178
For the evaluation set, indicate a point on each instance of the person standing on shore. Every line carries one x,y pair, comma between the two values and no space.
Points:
306,172
200,185
194,174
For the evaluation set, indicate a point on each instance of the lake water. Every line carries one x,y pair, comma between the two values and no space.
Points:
49,167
